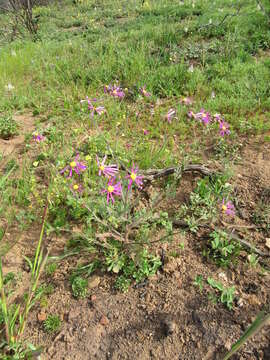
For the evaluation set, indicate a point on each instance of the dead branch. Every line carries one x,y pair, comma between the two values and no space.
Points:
158,173
22,13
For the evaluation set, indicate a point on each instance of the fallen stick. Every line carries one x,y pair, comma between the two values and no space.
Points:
152,174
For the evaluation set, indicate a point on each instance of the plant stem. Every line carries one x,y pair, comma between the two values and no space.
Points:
4,303
259,322
40,238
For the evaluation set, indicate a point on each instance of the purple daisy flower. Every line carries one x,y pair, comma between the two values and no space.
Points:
134,177
112,189
228,208
224,128
74,166
114,90
144,92
94,109
145,132
170,115
38,137
217,117
204,116
108,171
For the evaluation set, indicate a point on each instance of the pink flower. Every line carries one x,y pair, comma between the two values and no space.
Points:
134,177
228,208
112,189
144,92
170,115
224,128
145,132
204,116
217,117
108,171
38,137
94,110
186,101
75,165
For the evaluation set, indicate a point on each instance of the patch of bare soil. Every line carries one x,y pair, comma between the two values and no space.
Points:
26,124
167,317
164,317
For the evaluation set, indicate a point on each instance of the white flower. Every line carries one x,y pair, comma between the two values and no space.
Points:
191,68
9,87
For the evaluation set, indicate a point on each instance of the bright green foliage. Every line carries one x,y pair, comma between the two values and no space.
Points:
223,250
226,295
8,127
198,281
50,269
52,324
143,266
79,287
203,201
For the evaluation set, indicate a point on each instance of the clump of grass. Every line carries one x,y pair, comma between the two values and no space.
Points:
79,287
50,269
52,324
8,127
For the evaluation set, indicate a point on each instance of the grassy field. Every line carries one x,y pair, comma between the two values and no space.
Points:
143,87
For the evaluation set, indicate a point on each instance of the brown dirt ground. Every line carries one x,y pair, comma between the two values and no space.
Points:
165,317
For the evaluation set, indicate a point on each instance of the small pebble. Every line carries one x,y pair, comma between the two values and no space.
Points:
170,327
42,316
104,320
93,298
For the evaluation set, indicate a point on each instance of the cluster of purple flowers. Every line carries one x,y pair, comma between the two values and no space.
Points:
205,117
144,92
37,137
74,167
114,187
92,108
228,207
115,91
170,115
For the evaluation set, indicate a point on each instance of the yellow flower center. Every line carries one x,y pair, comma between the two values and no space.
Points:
75,187
102,168
110,189
204,116
133,176
115,92
72,164
224,127
224,207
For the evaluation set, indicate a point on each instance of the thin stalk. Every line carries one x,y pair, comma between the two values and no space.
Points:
259,322
4,303
31,293
40,238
